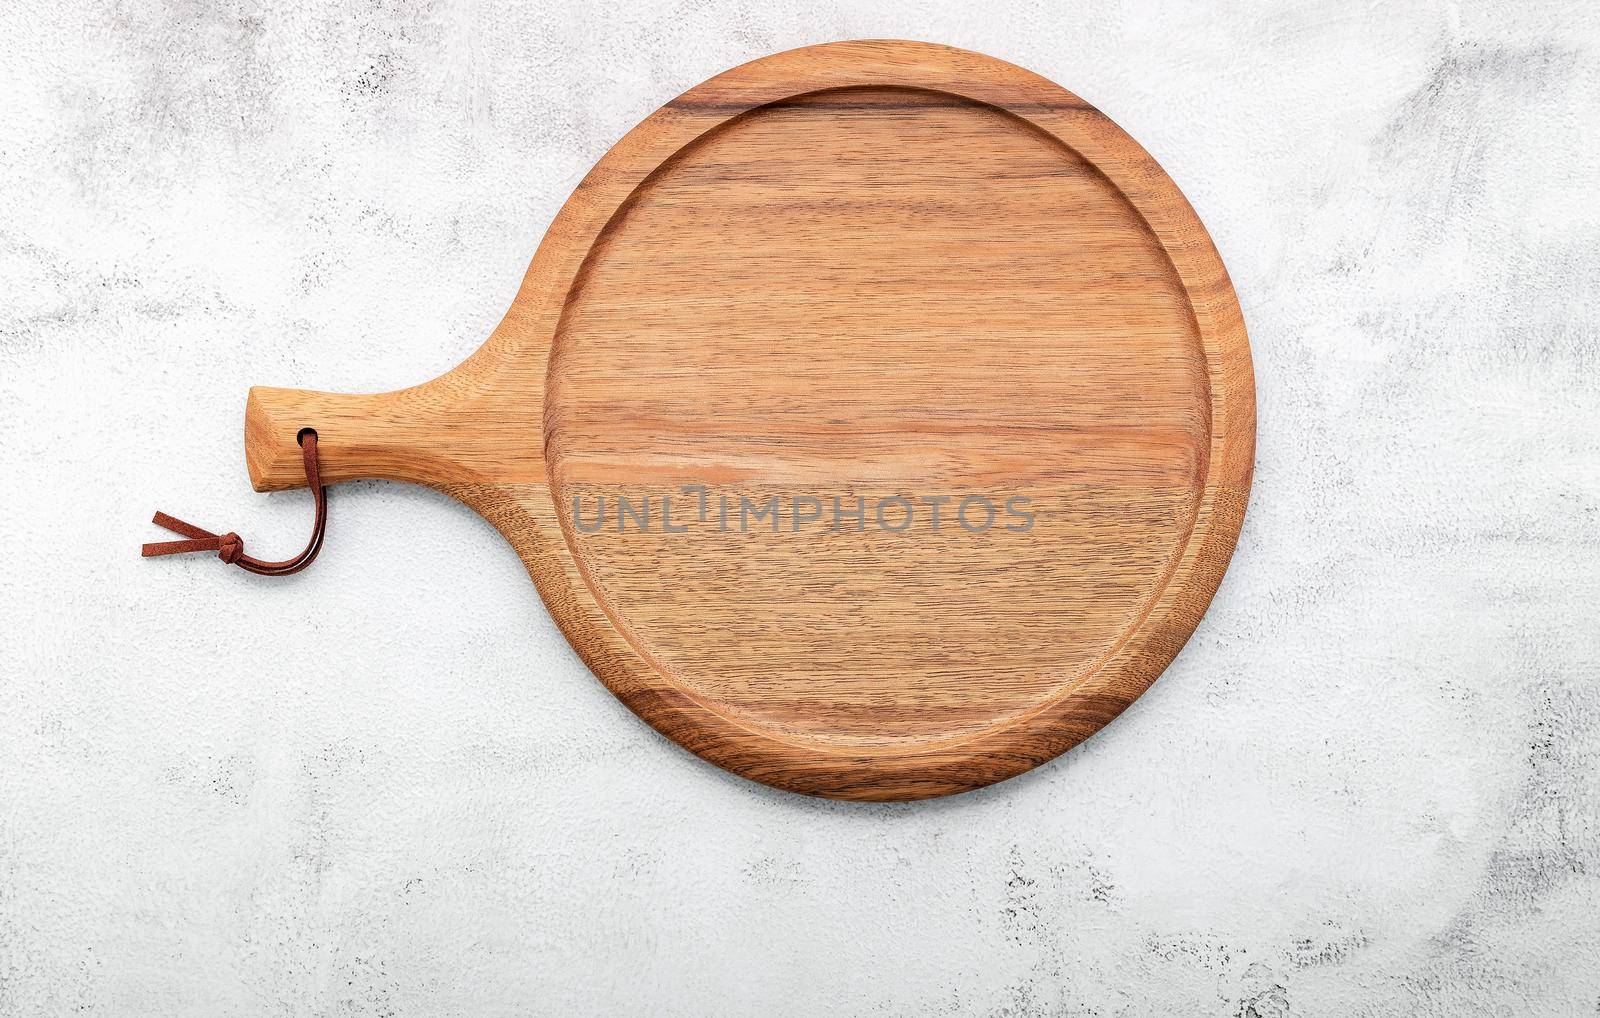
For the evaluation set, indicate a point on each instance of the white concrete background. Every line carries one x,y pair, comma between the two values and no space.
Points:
1369,786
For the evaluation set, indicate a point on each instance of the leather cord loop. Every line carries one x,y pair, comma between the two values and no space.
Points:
230,546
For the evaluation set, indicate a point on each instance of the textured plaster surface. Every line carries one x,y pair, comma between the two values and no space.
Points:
1369,786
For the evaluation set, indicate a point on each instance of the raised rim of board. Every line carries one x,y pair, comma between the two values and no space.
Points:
1019,743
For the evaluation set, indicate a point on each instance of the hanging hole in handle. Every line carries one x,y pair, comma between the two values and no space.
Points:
300,436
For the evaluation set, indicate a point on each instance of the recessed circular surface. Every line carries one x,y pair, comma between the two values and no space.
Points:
888,420
863,294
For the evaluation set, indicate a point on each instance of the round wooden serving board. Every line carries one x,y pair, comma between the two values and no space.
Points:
886,273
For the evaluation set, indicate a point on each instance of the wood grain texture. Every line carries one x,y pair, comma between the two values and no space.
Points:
866,270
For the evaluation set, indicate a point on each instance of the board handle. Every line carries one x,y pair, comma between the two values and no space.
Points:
402,436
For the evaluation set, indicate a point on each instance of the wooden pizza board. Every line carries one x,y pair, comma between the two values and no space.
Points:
886,273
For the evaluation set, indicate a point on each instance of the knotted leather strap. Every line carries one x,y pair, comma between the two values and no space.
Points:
230,547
